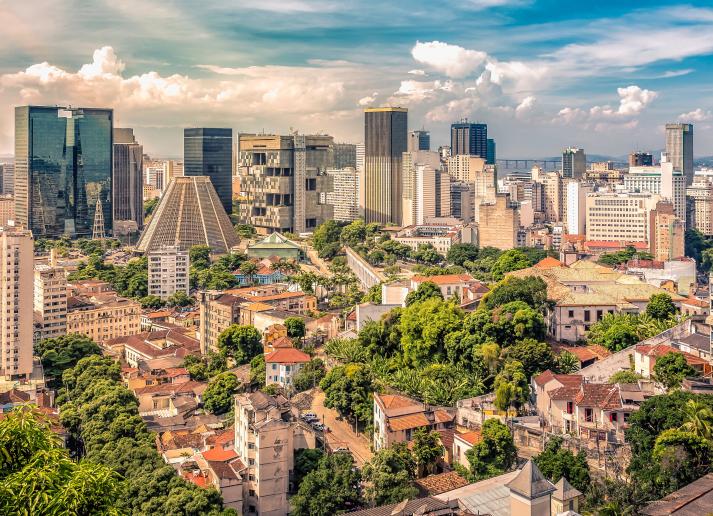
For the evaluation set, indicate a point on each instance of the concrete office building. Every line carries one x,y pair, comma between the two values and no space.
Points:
619,217
576,206
209,152
50,302
700,194
344,196
662,179
345,155
7,209
574,163
469,138
421,184
16,298
462,200
498,224
386,139
679,148
641,159
7,173
419,141
474,170
168,270
63,170
189,213
552,195
128,181
285,181
666,232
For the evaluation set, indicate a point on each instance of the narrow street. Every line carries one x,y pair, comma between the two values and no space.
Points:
341,432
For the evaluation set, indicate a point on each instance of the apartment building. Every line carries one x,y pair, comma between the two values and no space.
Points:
168,270
285,181
282,366
344,196
667,231
103,317
217,312
474,170
426,188
265,441
50,302
17,247
7,209
700,194
661,179
619,216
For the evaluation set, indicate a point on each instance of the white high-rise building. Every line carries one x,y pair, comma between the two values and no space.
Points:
576,207
16,270
420,170
50,301
661,179
168,272
345,195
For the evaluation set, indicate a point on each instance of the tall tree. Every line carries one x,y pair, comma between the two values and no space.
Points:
556,462
333,487
495,453
62,353
218,396
427,448
425,290
671,368
389,475
661,306
241,342
511,387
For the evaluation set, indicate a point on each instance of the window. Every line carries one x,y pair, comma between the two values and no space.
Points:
570,407
587,316
588,415
613,417
311,184
570,314
600,314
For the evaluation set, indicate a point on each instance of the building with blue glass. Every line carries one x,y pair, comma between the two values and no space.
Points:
209,152
63,170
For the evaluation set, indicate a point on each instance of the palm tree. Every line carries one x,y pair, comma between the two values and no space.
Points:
698,419
249,269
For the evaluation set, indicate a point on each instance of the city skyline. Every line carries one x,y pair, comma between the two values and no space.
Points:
606,79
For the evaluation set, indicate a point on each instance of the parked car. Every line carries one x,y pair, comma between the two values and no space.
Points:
341,449
318,426
309,417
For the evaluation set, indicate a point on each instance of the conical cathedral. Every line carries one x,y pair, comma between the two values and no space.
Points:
190,213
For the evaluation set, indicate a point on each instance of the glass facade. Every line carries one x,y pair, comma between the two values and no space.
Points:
209,152
63,170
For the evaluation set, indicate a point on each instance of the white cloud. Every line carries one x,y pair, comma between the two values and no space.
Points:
451,60
633,100
526,105
417,72
697,115
104,64
419,91
675,73
368,100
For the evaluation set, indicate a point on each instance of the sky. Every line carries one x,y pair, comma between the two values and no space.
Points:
543,74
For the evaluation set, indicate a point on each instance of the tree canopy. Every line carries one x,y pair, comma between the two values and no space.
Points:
62,353
331,488
389,475
671,369
425,290
494,454
218,396
556,462
240,342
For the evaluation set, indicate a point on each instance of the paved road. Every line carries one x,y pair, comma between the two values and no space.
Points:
341,432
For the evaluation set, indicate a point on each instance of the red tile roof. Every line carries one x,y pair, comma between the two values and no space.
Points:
287,356
607,244
445,279
396,401
408,421
692,301
600,395
548,263
219,454
437,484
565,379
472,437
282,342
658,350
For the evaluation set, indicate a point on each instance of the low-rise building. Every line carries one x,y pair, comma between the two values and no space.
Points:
282,366
147,346
441,237
103,317
397,418
584,292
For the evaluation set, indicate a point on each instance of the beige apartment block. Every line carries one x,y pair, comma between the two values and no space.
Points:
16,268
499,223
667,232
7,209
103,317
50,301
701,214
217,312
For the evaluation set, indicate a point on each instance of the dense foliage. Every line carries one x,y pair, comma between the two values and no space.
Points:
389,476
218,396
130,280
333,487
556,462
310,375
621,330
62,353
624,256
240,342
102,418
671,369
37,475
495,454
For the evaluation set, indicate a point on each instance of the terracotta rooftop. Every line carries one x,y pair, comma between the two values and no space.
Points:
408,421
396,401
658,350
607,244
565,379
693,301
600,395
287,356
472,437
436,484
282,342
219,454
695,499
549,262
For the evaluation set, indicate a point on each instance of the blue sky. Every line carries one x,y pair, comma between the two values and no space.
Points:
603,75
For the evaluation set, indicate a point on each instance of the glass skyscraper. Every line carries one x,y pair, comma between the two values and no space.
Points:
469,138
209,152
63,170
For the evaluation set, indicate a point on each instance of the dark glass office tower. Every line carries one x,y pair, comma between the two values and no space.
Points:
63,170
490,155
209,152
469,138
128,182
385,140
